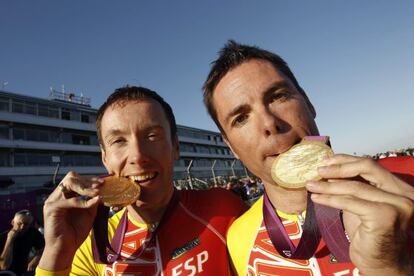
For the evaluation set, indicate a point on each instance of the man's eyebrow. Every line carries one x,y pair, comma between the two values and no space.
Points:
113,132
116,132
154,127
237,110
241,108
275,86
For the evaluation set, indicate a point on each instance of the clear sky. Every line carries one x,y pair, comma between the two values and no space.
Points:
355,59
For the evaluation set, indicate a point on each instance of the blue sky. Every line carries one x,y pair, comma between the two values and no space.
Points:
355,59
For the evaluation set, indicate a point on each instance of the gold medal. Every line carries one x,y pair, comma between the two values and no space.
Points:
119,191
293,168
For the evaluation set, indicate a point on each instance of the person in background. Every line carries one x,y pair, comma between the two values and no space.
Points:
17,243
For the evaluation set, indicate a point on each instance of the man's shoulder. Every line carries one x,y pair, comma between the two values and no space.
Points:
33,231
209,192
212,201
251,217
214,195
241,236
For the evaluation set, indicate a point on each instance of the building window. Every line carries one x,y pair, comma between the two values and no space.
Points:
65,114
81,160
43,135
18,134
4,159
187,162
202,149
54,137
179,163
84,118
94,140
4,104
17,106
39,159
48,111
23,107
31,135
4,132
80,139
20,159
30,108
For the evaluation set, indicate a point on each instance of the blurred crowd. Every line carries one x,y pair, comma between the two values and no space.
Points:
395,153
248,188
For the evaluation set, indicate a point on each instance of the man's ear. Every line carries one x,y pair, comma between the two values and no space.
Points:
229,145
308,102
103,158
176,148
312,110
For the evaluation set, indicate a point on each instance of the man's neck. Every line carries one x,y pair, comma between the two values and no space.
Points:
287,201
150,214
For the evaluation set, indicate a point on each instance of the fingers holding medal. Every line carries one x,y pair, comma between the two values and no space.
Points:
113,191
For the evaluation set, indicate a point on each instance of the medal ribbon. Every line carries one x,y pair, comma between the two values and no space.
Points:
106,253
280,239
320,221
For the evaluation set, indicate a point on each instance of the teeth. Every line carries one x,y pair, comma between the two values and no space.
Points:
142,177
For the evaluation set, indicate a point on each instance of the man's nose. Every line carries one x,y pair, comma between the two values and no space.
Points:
138,153
270,122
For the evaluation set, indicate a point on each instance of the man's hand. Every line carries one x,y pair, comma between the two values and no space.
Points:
31,266
6,256
378,212
68,219
13,233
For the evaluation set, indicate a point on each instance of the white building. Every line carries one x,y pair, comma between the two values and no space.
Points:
36,134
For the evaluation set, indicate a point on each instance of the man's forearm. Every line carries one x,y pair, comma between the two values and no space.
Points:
34,262
54,260
6,255
36,259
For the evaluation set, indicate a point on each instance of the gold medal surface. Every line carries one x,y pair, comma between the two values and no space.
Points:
293,168
119,191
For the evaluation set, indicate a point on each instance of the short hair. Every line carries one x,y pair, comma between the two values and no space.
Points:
24,213
232,55
134,93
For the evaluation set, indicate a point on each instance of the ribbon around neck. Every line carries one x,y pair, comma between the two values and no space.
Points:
320,221
105,253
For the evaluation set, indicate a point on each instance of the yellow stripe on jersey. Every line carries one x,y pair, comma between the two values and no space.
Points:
291,217
241,236
83,263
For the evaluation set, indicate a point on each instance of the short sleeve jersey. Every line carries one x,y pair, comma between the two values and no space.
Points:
252,252
191,242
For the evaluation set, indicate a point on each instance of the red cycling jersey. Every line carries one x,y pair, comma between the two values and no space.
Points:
191,242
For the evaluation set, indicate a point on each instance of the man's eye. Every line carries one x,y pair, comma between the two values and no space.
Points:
117,141
280,95
153,136
240,120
